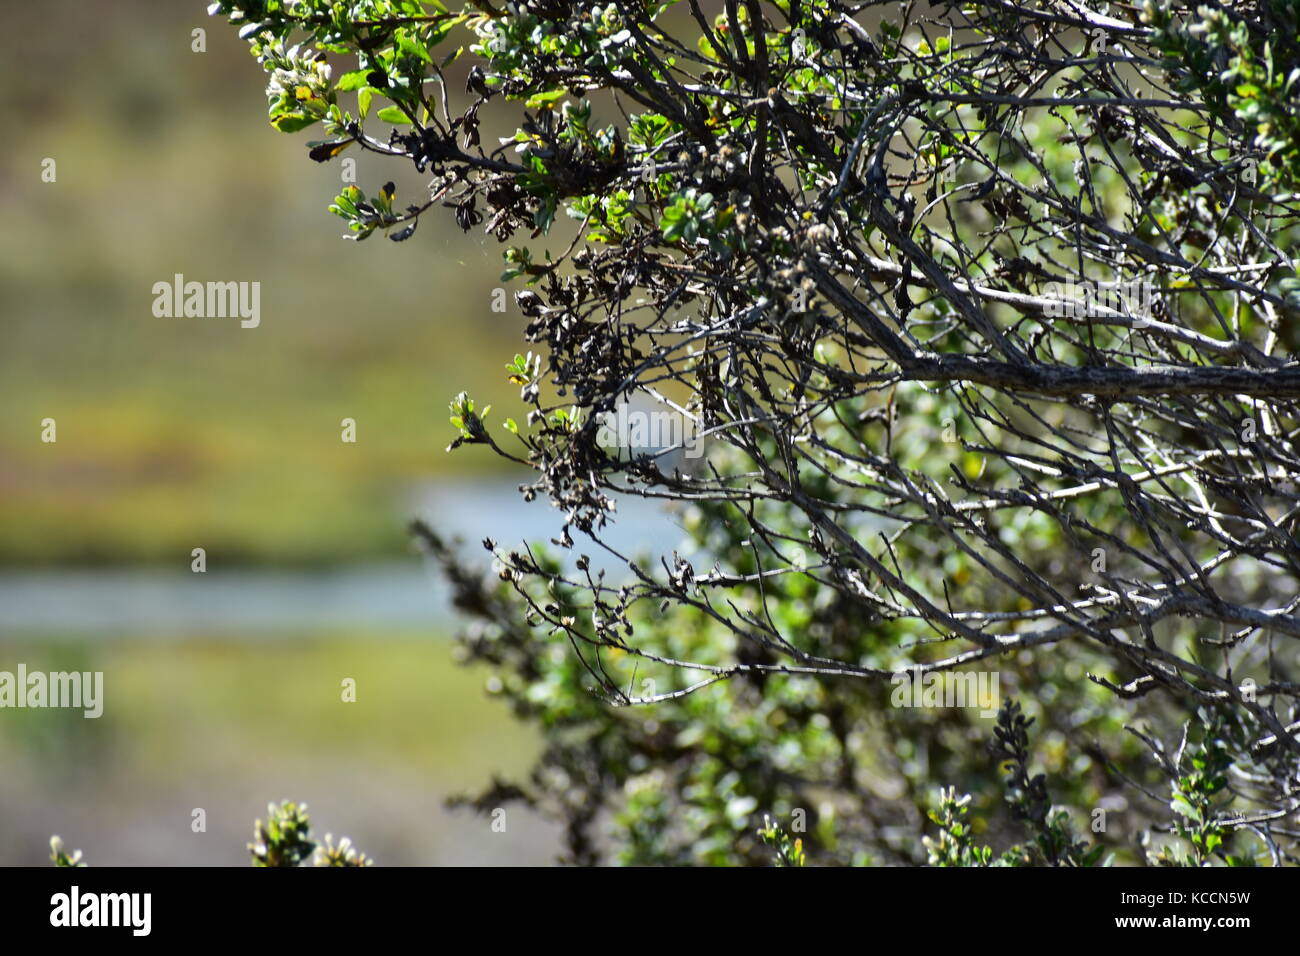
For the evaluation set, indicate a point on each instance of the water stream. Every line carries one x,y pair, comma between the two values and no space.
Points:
378,597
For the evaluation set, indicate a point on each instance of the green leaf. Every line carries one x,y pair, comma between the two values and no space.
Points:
293,122
408,45
352,81
394,115
546,99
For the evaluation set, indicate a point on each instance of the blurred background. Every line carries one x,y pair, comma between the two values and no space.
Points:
223,689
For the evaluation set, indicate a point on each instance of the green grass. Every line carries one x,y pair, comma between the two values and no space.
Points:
230,725
176,707
178,433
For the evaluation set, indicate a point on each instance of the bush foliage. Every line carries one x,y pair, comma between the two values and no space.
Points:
984,316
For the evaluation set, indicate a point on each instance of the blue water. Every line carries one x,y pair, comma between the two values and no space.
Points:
410,594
